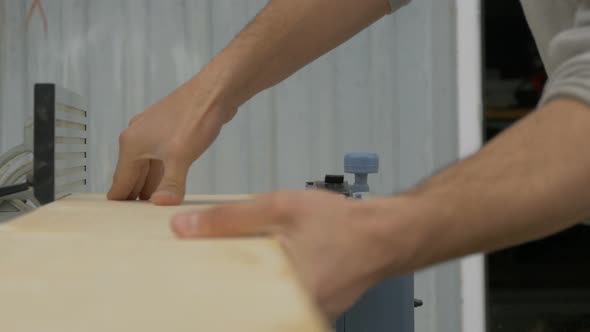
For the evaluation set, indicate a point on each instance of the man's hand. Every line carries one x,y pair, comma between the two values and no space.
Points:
338,246
160,144
529,182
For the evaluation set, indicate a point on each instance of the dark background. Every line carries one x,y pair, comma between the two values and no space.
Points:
543,286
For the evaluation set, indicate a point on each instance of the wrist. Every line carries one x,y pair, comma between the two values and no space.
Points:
212,88
405,224
207,102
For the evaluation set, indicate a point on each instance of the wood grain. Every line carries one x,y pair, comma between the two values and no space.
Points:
86,264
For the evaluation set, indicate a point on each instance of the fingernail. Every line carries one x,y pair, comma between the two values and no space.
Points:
187,224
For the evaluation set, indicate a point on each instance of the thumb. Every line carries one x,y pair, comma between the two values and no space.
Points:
172,188
239,219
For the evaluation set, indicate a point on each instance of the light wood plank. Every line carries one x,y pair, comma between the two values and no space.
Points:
87,264
92,214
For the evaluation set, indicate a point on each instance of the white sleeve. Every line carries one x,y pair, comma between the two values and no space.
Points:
569,60
397,4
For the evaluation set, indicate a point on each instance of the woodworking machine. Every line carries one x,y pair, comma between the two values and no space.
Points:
52,160
52,163
390,305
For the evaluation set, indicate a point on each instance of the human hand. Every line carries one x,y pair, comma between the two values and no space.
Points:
338,246
160,144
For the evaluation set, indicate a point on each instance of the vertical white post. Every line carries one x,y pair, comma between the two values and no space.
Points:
469,78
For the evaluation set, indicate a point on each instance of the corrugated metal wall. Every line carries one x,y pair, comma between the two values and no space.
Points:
390,90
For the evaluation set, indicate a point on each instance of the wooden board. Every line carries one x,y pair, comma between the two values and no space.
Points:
92,214
87,265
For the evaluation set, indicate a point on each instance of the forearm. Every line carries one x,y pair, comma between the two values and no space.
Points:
284,37
531,181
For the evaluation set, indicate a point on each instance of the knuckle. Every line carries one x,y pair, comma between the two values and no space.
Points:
126,137
177,149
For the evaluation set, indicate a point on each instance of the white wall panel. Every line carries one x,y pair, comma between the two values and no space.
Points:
231,150
391,90
14,73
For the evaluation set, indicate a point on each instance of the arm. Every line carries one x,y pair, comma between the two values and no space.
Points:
532,181
154,156
283,38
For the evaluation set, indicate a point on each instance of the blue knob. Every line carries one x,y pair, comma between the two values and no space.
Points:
361,165
359,162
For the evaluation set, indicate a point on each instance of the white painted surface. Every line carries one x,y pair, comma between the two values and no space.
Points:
470,140
391,90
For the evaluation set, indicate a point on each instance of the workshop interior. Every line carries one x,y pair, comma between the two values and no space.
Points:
378,114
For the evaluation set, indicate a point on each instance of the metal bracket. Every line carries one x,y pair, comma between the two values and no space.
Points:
52,162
